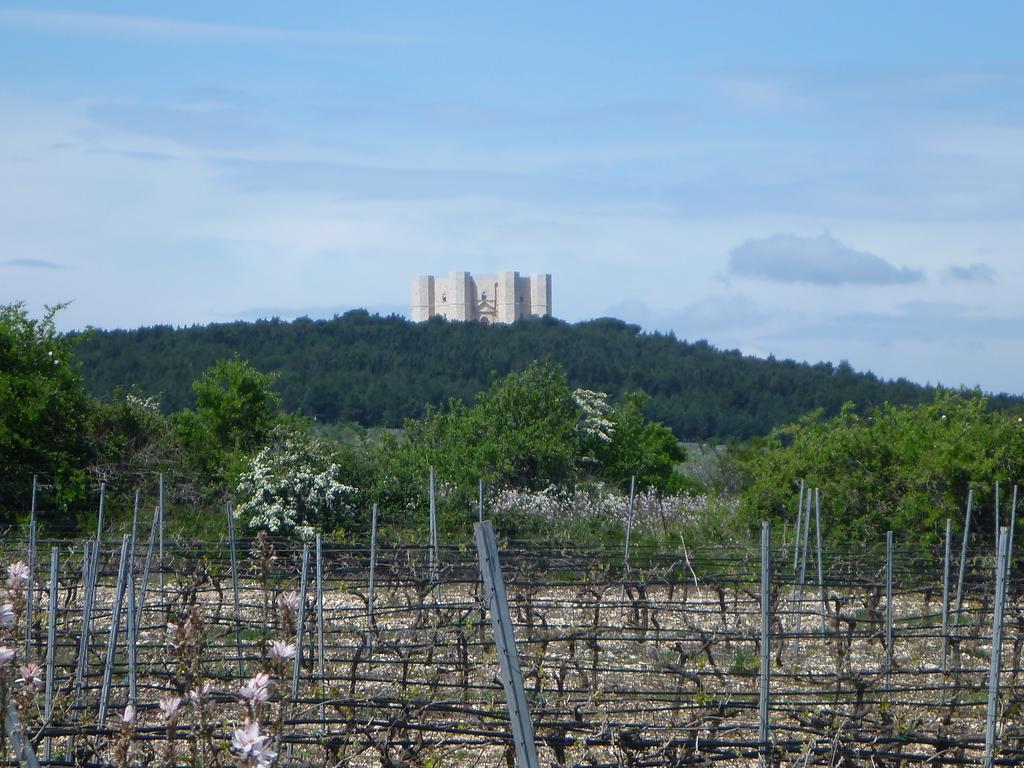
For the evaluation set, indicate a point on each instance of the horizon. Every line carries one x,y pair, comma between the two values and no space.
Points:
809,183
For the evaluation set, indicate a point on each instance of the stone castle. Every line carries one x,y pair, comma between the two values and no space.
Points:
501,298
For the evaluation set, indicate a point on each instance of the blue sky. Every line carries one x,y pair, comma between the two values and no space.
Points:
799,179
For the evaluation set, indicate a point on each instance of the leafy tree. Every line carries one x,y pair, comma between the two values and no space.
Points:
43,409
897,468
130,440
646,450
236,407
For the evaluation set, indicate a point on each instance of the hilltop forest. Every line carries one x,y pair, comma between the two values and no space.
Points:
381,370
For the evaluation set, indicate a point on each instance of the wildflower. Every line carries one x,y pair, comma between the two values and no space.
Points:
17,575
282,651
129,714
199,695
251,746
7,617
288,602
169,706
6,654
257,690
31,676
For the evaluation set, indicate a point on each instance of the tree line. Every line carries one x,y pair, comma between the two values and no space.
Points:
379,371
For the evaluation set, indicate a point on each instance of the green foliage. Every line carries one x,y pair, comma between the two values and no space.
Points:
901,468
236,407
43,406
527,431
643,449
130,440
383,370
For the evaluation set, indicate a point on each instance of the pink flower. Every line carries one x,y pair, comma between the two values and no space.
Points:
199,695
257,690
282,651
288,602
31,676
17,575
251,746
169,706
6,654
129,715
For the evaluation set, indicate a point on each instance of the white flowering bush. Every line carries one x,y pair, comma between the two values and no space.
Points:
652,512
293,487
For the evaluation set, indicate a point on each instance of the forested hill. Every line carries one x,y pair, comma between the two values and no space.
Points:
379,370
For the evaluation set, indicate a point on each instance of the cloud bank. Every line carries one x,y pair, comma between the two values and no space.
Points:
822,260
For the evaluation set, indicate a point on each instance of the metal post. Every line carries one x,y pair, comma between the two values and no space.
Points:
796,538
51,644
945,595
299,630
234,590
995,666
115,627
803,570
373,579
480,500
1013,525
22,747
433,531
88,566
130,631
821,566
160,551
963,561
629,531
995,515
763,732
146,568
321,664
135,525
888,615
31,590
99,518
508,658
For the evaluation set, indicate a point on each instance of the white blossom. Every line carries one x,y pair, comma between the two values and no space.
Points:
7,617
129,714
290,485
282,651
169,706
6,654
251,746
17,575
31,676
257,689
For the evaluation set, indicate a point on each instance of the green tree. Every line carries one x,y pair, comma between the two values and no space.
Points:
897,468
43,409
236,407
646,450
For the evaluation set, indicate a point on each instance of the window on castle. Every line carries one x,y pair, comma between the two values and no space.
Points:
444,297
484,295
